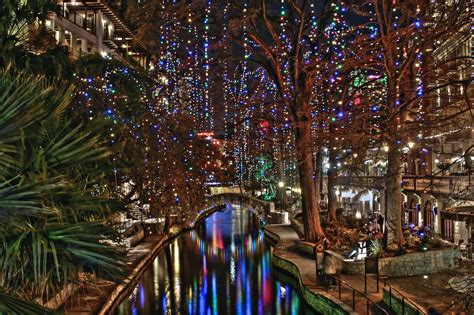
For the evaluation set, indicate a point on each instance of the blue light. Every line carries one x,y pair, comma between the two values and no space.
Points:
417,23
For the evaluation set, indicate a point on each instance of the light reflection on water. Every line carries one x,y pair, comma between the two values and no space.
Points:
223,267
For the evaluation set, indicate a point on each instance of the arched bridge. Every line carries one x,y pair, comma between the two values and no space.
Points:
264,208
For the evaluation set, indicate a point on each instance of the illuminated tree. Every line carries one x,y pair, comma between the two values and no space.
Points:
283,38
397,44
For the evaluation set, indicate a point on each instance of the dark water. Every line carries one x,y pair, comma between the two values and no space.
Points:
222,267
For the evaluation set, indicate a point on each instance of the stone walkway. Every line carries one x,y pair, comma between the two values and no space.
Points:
286,248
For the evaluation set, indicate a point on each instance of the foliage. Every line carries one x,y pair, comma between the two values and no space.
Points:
53,208
435,241
167,162
412,241
376,248
263,175
12,305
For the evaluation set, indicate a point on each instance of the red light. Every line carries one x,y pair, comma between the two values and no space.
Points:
205,134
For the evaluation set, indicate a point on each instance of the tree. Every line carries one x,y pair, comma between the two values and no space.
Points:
399,36
167,162
283,38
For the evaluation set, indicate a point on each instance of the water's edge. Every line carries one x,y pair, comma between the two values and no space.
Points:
319,302
124,289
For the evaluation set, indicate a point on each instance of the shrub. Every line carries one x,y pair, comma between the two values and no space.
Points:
436,241
375,248
412,241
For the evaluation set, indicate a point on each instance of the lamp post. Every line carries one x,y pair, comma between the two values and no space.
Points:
281,185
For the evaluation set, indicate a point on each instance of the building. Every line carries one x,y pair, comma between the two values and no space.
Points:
87,27
438,180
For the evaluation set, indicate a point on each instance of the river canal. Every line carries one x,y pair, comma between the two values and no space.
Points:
221,267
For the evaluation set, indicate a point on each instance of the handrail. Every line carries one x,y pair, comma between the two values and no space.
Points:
369,301
404,299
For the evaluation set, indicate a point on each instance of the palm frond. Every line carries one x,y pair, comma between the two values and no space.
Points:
12,305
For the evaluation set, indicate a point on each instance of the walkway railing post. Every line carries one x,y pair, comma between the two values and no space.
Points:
353,299
339,289
316,261
367,306
390,296
403,305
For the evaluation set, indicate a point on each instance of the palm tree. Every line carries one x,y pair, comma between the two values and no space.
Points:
54,198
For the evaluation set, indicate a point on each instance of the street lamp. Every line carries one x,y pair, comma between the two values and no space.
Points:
281,185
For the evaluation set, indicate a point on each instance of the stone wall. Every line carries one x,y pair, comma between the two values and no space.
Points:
340,264
413,264
417,264
321,302
306,248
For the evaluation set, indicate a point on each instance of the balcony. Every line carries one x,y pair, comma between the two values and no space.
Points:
459,187
375,182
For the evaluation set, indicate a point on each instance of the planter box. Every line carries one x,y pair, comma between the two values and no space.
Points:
343,265
413,264
421,263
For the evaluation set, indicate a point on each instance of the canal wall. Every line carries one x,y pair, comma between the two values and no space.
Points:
319,300
123,289
400,305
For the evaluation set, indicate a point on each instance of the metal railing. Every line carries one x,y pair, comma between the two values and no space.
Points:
403,299
368,303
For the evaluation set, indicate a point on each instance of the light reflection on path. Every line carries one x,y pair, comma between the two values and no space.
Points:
223,267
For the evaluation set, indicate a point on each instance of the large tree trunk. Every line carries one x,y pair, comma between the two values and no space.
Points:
310,196
332,178
168,224
393,184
